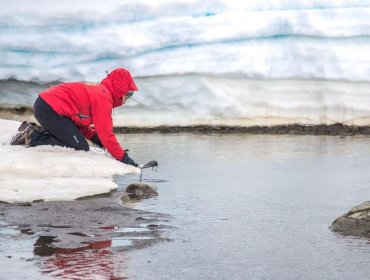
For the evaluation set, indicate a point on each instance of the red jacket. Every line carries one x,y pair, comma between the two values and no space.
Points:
86,104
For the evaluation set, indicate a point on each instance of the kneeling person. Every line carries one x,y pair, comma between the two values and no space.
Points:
67,111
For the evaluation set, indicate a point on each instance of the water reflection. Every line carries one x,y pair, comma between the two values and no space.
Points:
92,260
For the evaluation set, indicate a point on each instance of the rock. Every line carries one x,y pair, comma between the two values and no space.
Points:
23,204
141,191
355,222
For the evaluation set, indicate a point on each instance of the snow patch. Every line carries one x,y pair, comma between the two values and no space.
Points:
53,173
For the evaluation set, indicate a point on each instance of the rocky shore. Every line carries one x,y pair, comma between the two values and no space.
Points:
294,129
88,223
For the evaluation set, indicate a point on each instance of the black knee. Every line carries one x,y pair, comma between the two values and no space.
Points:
84,146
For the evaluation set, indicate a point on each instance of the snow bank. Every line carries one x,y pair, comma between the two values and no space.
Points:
52,173
198,62
268,39
206,100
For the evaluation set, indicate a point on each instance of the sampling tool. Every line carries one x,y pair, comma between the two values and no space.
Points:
153,164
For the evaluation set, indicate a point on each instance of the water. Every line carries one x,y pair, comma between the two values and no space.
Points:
253,207
242,206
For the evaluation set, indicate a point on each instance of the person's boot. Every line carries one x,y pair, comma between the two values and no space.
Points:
24,135
23,125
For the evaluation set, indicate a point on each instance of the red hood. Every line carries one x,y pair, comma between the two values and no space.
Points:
119,82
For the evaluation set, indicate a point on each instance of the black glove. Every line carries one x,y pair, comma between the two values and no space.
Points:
95,139
127,160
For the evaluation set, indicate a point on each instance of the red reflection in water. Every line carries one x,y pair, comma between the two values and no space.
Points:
96,260
108,228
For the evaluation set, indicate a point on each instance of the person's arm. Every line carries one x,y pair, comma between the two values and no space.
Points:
104,128
102,118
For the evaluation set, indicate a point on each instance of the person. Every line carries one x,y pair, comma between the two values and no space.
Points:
66,113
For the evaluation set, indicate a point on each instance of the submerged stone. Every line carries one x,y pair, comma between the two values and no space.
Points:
141,190
355,222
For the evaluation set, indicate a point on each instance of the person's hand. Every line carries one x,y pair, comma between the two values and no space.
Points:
127,160
95,139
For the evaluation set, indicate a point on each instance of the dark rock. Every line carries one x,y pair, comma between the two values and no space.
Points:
355,222
27,204
27,231
152,226
364,130
141,191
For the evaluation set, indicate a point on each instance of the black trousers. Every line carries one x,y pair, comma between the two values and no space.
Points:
57,130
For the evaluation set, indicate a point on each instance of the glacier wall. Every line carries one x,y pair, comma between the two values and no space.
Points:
211,62
197,100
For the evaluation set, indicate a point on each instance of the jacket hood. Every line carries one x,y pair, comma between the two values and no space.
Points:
119,82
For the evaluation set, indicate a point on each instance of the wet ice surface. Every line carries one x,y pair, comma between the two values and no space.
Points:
254,207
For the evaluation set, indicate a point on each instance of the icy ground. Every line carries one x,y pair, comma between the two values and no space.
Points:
53,173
